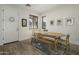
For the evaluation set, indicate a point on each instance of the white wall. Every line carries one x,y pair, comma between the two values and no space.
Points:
20,12
62,12
1,26
25,32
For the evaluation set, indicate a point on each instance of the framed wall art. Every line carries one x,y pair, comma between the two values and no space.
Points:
52,22
33,22
69,21
59,22
43,22
24,22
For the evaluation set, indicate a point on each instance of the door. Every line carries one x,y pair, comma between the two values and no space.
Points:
1,28
10,25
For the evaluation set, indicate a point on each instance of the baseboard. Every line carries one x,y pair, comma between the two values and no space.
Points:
10,42
14,41
1,44
25,39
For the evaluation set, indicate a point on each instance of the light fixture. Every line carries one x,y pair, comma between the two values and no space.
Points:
28,5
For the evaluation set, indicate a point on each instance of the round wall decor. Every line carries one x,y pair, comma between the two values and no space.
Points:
11,19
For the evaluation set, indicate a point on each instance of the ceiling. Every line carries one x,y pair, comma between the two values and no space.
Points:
39,8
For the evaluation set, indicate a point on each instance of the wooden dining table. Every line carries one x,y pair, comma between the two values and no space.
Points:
51,34
50,37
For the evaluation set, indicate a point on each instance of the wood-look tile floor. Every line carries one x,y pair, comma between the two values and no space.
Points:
25,48
19,48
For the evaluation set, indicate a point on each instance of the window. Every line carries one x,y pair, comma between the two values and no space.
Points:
33,22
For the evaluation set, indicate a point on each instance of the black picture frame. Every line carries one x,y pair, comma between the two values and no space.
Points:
59,22
69,21
43,23
24,22
33,22
51,22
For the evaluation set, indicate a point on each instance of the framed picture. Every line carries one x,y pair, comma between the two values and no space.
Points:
69,21
24,22
33,22
51,22
43,22
30,23
59,22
